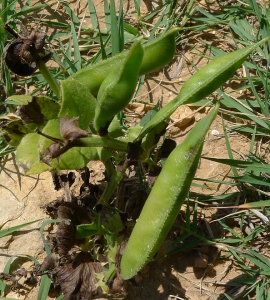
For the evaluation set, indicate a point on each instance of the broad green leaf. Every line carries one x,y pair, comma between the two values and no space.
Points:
111,222
14,131
74,158
86,230
52,129
115,129
79,157
77,101
27,155
46,106
20,99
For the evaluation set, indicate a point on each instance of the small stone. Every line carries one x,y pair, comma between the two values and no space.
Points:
215,132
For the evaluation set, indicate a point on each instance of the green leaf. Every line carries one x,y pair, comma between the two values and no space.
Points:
27,155
48,107
14,131
74,158
77,101
27,11
112,222
20,99
86,230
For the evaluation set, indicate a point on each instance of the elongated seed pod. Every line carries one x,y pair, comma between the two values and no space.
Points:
157,54
203,83
165,200
118,87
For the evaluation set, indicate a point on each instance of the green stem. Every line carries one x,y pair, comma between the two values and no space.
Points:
113,145
109,168
49,77
102,142
111,186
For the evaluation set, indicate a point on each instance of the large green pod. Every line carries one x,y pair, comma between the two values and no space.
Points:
203,83
164,202
157,54
118,87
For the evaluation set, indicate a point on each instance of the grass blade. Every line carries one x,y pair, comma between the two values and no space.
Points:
46,246
4,232
77,54
93,15
44,287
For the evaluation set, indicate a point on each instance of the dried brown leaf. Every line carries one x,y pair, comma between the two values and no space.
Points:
22,54
78,280
65,237
70,130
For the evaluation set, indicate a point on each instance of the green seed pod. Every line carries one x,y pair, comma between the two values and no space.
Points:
157,54
118,88
165,200
203,83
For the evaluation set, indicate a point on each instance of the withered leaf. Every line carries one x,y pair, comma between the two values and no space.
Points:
118,286
78,280
72,215
31,112
70,130
48,264
74,212
22,54
59,180
65,237
7,278
48,154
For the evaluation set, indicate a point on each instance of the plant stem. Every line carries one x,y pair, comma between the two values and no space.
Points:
102,142
111,186
109,168
49,77
113,145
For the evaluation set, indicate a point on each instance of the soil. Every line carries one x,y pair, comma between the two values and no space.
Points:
200,273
